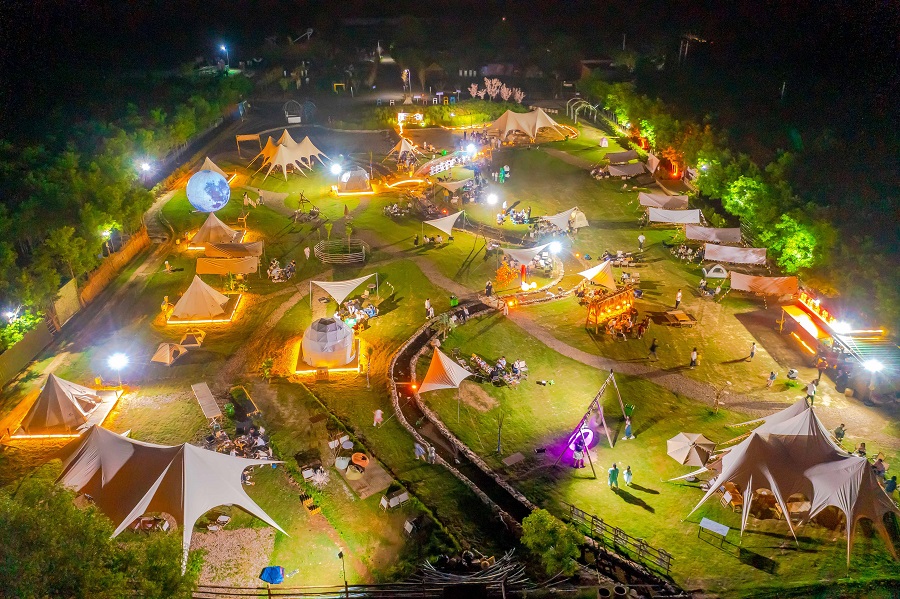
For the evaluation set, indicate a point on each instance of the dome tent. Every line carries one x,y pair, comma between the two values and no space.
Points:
328,343
355,180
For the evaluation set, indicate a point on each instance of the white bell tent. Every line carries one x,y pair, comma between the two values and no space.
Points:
61,406
213,231
339,290
601,274
209,165
200,302
167,353
445,223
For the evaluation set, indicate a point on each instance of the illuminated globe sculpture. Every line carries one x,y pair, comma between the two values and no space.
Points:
208,191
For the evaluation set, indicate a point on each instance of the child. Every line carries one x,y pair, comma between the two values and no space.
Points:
771,380
627,474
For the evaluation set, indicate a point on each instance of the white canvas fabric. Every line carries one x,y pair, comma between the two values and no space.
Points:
128,478
690,449
328,343
445,223
578,220
601,274
306,150
524,255
622,157
626,170
167,353
452,186
233,250
561,220
679,217
443,373
734,255
286,140
652,164
339,290
283,158
664,201
192,338
712,234
213,231
528,123
267,152
765,285
61,406
717,272
403,146
224,266
209,165
354,180
200,302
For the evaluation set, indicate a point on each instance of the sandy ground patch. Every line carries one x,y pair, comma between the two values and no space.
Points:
475,397
234,557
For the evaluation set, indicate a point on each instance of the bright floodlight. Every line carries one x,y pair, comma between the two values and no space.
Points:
873,365
336,169
841,327
118,361
145,166
555,247
492,199
10,315
222,47
471,148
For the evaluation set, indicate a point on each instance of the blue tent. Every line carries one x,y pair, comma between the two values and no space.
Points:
272,574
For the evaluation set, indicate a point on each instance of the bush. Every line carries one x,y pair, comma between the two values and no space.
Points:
551,540
14,331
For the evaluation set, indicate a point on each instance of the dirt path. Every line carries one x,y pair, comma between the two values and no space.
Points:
568,158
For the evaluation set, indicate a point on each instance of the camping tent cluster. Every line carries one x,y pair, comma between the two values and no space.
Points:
126,479
528,123
288,154
792,455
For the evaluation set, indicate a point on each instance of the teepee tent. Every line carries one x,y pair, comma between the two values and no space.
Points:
286,140
283,158
524,255
601,274
355,180
127,478
445,223
328,343
404,146
61,406
306,150
167,353
192,338
209,165
213,231
339,290
443,373
200,302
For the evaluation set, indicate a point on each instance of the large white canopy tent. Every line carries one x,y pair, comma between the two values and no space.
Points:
267,152
283,158
286,140
404,146
735,255
678,217
713,234
764,285
233,250
622,157
200,302
632,169
528,123
61,405
601,274
339,290
126,479
662,200
443,373
223,266
573,217
209,165
306,150
793,454
524,255
453,186
213,231
328,343
444,223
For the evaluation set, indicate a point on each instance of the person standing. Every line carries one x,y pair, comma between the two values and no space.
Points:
811,391
627,474
430,312
752,351
488,289
629,434
677,299
416,240
419,451
839,433
613,477
504,308
306,252
654,345
641,240
431,457
578,455
379,416
821,366
771,380
694,358
427,305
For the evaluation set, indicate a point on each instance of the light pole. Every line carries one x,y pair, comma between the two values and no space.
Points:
227,60
117,362
344,574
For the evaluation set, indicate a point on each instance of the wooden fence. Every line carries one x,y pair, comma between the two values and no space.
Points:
618,540
109,269
14,359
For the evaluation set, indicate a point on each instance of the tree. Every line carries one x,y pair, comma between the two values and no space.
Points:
555,543
505,92
67,249
492,86
473,90
50,548
518,95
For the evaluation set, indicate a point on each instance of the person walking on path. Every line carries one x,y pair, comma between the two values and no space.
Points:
627,475
821,366
654,345
431,458
641,240
629,434
752,351
613,478
419,451
811,391
839,433
379,416
677,299
430,312
693,358
771,380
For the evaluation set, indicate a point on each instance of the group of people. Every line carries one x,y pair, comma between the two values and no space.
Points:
688,254
500,176
277,274
516,217
354,310
397,209
707,291
627,324
248,201
426,240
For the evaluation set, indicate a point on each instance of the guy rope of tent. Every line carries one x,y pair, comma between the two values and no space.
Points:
602,274
339,290
444,373
128,478
524,256
444,224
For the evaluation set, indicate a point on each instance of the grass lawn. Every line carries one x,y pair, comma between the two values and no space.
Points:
539,416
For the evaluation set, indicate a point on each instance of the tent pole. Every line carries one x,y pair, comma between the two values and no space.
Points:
377,289
618,394
590,460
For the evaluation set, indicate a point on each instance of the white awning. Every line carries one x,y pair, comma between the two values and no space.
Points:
339,290
621,157
724,253
452,186
652,163
664,201
525,255
443,373
764,285
626,170
561,220
681,217
224,266
602,274
445,223
712,234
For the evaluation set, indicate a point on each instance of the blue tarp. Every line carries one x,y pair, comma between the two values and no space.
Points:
272,574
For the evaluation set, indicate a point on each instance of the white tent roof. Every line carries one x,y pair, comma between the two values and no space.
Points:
306,151
213,230
60,405
524,255
223,266
452,186
561,220
267,152
286,140
167,353
283,158
233,250
652,163
445,223
209,165
724,253
200,301
626,170
328,342
764,285
529,123
443,373
621,157
339,290
662,200
712,234
682,217
128,478
602,274
404,145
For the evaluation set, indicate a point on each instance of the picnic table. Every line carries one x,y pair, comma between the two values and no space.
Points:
679,318
207,402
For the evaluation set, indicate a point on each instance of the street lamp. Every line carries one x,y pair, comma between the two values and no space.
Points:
492,199
117,362
227,60
344,573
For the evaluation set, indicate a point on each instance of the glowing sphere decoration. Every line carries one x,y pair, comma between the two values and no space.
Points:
208,191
